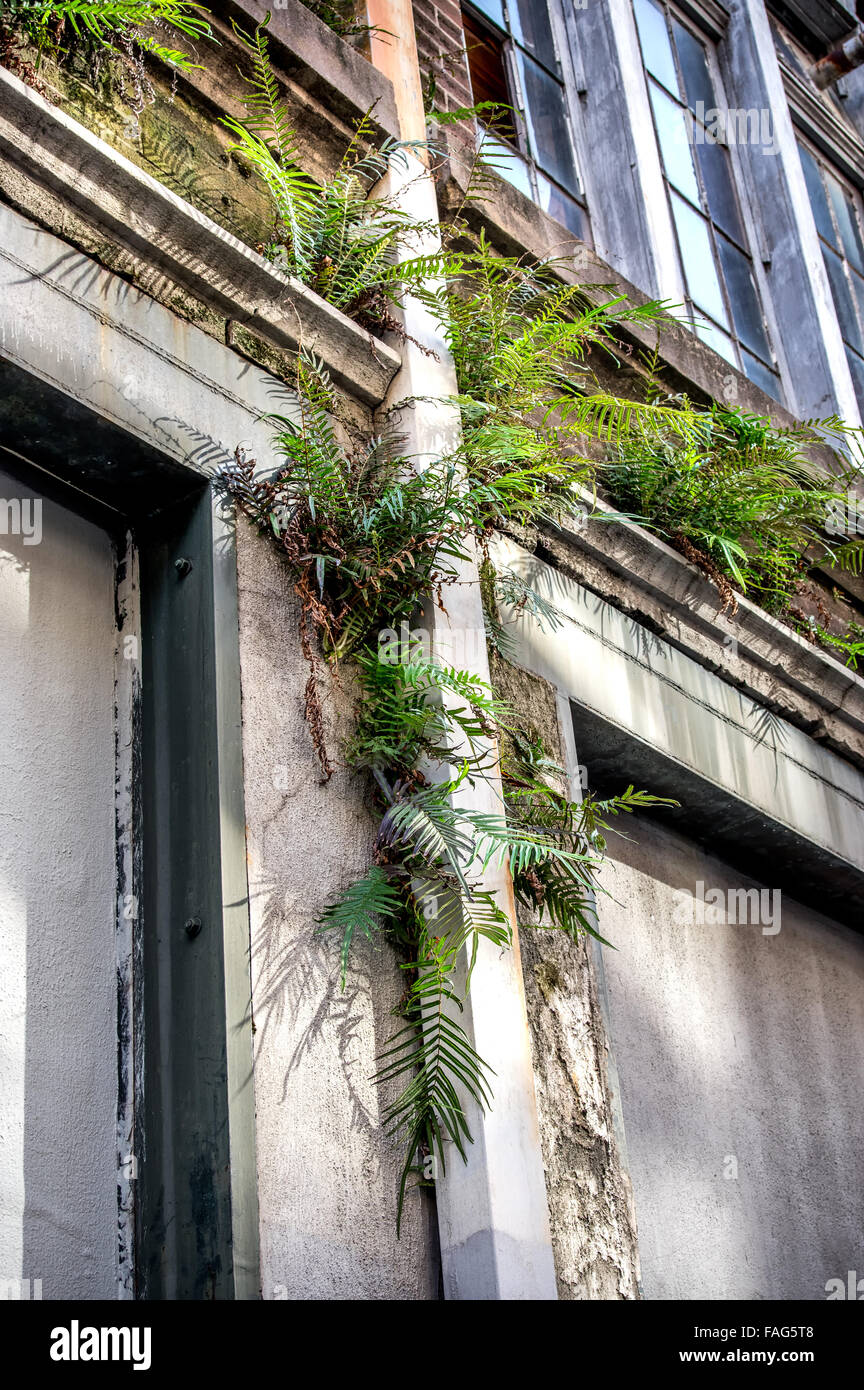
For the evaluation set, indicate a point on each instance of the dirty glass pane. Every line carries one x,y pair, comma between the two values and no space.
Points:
656,44
694,66
816,191
531,27
507,163
843,300
547,124
857,292
493,8
761,376
563,208
720,342
847,222
675,147
697,256
746,309
856,367
717,178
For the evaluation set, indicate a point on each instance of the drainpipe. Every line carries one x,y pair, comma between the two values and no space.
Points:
836,64
493,1216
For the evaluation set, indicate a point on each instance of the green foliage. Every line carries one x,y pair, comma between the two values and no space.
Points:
350,250
342,16
850,557
522,343
741,492
109,21
367,538
562,885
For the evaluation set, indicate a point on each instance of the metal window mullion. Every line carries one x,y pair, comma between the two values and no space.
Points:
743,191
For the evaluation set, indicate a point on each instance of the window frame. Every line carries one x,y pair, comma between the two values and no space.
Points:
705,31
566,77
855,195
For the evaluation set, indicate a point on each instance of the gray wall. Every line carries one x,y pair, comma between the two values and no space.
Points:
734,1048
58,1048
327,1176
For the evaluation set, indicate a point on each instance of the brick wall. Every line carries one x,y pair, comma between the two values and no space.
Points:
441,46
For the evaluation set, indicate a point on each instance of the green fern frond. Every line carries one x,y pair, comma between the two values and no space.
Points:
367,906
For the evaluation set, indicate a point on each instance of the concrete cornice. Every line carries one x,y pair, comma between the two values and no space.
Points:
751,650
321,62
139,213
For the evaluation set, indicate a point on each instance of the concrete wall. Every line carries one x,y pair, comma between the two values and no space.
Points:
58,1045
740,1056
327,1177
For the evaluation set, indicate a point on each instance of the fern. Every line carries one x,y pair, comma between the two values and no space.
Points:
352,251
366,906
107,20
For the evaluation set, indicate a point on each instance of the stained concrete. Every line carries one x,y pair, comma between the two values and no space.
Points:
741,1060
327,1175
587,1187
58,1038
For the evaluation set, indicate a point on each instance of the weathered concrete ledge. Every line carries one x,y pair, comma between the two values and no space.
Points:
139,213
644,577
758,790
321,62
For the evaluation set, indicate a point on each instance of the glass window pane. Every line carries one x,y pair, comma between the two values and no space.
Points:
816,191
856,367
746,309
675,147
847,222
547,124
720,342
563,208
656,45
694,66
717,178
761,376
506,163
530,21
843,300
697,256
493,8
857,292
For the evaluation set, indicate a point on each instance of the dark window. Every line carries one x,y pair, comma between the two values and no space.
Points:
837,213
717,267
513,61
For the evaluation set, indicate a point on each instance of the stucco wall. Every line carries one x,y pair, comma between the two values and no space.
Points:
58,1048
590,1203
741,1057
327,1176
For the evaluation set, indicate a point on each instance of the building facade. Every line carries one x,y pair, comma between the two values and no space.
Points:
187,1107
